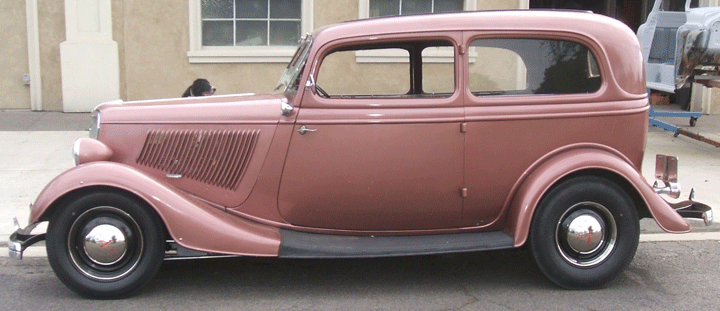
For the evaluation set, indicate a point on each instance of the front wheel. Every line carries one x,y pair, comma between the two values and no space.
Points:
105,245
585,231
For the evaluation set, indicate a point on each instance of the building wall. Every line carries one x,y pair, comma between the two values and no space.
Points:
14,51
51,24
153,41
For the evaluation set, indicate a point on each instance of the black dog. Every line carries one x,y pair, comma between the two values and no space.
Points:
201,87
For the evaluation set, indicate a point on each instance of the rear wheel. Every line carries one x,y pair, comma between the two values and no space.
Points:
105,245
584,232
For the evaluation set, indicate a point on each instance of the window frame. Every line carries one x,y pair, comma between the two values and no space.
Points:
592,71
197,53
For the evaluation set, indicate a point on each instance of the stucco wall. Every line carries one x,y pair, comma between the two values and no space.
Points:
14,60
153,40
51,24
154,63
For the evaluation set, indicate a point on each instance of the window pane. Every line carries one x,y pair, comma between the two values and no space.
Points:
532,66
251,33
284,33
285,9
448,6
217,33
216,8
384,7
251,9
416,6
340,75
438,77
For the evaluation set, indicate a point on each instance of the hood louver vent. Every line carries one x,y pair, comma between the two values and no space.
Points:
217,158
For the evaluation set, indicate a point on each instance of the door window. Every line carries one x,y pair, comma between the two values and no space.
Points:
412,71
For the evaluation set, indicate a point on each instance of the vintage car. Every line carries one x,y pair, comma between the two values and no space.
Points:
681,44
394,136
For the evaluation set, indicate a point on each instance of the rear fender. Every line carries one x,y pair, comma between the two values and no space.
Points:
542,176
191,223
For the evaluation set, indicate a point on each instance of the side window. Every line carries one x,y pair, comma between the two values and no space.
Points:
413,72
532,66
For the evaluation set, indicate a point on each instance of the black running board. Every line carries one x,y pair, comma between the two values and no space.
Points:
296,244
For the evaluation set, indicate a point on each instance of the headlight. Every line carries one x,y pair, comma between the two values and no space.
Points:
95,125
87,150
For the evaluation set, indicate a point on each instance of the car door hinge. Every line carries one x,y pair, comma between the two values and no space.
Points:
463,127
463,192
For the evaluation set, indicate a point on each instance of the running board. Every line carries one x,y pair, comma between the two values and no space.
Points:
296,244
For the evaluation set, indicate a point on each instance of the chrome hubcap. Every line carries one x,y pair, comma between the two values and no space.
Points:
105,244
586,234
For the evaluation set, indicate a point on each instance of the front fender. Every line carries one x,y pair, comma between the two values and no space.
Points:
191,223
548,172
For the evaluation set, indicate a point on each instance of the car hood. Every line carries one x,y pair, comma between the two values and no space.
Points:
241,108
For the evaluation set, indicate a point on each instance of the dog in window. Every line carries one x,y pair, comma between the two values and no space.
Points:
200,87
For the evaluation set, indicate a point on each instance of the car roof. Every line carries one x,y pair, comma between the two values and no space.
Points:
614,42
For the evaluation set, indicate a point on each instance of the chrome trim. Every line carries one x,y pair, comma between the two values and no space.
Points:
95,125
286,109
21,239
105,245
671,189
692,209
76,151
601,242
303,129
666,172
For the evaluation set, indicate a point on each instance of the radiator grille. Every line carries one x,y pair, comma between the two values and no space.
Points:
218,158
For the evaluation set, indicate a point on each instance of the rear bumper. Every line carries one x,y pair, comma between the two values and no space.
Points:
692,209
666,183
21,239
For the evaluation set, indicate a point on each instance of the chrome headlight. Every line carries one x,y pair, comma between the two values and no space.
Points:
95,125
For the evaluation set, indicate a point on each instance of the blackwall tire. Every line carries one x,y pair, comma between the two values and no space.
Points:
105,245
584,232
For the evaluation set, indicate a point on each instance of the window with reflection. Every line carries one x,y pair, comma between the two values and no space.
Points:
532,66
251,22
407,7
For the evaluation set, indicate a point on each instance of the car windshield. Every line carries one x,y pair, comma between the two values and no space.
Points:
291,75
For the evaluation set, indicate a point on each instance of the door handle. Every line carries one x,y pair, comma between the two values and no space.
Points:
303,129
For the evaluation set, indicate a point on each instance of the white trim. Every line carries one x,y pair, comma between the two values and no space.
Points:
33,41
256,54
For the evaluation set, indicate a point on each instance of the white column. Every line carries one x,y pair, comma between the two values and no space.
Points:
89,57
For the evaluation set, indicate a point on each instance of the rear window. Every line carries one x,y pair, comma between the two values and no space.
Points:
532,66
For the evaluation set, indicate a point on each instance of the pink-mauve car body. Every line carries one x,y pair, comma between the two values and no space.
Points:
394,136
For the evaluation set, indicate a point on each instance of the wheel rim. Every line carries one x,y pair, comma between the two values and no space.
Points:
586,234
105,243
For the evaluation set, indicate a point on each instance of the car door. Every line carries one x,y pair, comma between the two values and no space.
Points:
527,96
375,148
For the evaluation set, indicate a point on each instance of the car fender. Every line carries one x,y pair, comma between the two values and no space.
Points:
552,168
192,223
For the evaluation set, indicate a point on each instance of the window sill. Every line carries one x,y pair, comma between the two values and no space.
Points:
242,55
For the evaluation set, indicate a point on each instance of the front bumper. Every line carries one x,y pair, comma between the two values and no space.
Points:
21,239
